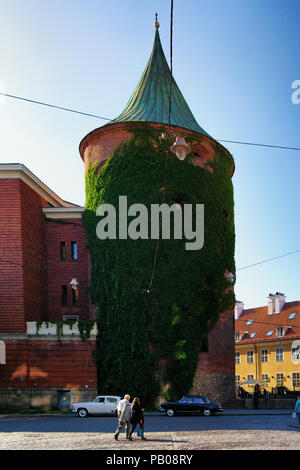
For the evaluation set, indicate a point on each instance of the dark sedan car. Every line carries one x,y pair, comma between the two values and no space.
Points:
191,404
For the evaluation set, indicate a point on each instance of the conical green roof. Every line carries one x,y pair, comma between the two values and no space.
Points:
150,100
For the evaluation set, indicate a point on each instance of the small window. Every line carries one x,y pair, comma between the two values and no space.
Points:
292,315
63,251
237,337
237,357
111,400
249,322
265,378
250,357
100,400
74,254
296,379
279,379
252,335
264,355
75,297
296,353
280,332
279,355
270,332
2,352
197,400
64,296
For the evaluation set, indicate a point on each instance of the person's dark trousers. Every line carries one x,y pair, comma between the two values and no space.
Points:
134,426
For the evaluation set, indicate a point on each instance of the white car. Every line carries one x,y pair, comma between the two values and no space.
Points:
103,404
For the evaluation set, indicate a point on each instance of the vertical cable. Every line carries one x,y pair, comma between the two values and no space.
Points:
169,134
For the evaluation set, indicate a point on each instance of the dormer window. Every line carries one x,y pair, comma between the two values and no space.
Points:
237,337
280,331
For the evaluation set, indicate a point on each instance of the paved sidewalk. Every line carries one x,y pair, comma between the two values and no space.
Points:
156,441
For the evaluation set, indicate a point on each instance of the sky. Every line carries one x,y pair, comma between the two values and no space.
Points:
234,62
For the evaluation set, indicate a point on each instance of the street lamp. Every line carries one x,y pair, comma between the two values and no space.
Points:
180,148
74,284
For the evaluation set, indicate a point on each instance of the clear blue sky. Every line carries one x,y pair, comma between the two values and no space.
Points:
234,62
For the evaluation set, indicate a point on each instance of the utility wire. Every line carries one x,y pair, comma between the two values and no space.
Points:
267,260
259,145
107,119
54,106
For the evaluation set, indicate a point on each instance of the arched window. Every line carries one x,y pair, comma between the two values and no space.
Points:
2,353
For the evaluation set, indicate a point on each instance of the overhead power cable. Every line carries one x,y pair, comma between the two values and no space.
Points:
267,260
54,106
259,145
282,147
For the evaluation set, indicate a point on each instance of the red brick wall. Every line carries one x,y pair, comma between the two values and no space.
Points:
214,376
34,252
48,364
30,290
220,356
62,272
22,256
99,144
12,311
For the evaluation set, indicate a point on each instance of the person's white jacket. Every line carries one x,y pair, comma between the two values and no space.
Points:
124,410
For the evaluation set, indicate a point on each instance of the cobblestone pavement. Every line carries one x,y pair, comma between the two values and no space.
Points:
168,434
187,440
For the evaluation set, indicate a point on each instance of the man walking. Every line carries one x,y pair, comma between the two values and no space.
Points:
124,415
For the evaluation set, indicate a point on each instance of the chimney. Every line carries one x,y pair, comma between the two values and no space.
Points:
276,302
279,301
238,309
271,304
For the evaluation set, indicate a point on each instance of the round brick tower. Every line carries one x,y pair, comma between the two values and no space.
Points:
187,319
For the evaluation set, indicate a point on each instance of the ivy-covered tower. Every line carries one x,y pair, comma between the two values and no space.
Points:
165,314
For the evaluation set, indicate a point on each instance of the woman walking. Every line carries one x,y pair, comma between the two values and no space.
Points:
137,417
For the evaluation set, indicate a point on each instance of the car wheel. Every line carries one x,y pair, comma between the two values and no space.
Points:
170,412
207,412
82,412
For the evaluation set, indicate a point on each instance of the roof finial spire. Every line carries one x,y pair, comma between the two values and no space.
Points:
156,24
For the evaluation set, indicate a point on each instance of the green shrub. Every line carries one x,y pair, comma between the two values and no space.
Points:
188,293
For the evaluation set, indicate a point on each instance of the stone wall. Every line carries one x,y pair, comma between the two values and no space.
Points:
40,399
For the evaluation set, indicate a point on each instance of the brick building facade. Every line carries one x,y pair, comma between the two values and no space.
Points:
42,248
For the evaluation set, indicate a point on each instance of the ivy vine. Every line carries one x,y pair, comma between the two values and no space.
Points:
138,331
84,327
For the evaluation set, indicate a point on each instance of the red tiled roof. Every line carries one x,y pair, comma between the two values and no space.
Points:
263,323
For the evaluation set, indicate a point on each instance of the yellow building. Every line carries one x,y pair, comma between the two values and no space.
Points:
267,344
